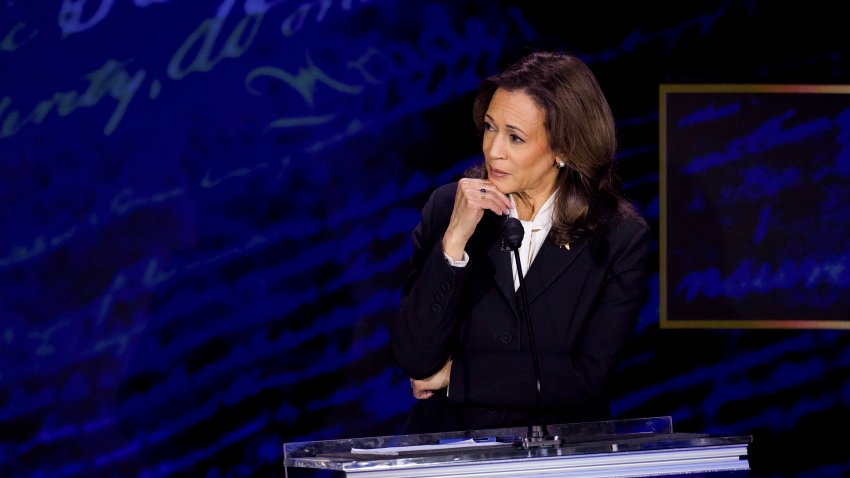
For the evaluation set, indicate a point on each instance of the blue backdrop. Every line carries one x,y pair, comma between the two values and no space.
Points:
206,209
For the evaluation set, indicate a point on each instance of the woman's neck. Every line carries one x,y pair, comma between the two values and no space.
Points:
525,210
527,206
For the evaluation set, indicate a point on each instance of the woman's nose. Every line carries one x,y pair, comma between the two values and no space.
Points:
494,146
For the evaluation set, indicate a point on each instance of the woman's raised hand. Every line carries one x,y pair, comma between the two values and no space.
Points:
473,197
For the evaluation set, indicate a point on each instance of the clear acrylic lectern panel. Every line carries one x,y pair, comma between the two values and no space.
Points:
619,448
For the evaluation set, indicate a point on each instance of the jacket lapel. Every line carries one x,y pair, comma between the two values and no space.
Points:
500,256
550,263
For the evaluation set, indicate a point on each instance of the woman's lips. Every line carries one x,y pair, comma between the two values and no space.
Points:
495,173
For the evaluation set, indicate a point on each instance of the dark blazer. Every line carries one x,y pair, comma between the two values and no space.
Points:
584,304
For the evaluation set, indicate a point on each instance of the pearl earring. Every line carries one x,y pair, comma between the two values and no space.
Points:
561,163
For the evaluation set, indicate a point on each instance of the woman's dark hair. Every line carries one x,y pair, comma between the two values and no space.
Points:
581,131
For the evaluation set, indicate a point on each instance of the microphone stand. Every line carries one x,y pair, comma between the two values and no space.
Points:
538,434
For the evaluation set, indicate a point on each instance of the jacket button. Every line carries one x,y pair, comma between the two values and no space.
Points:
439,297
445,285
436,308
506,337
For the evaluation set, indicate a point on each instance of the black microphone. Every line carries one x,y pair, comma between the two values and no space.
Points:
512,232
538,435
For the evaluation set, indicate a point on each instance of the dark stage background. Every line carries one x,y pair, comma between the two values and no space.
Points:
206,209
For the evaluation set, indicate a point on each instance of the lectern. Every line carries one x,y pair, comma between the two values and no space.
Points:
641,447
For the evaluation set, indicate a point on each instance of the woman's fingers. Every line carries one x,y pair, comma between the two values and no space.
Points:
417,387
425,388
480,194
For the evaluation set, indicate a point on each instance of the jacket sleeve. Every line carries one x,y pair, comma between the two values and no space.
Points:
422,333
579,375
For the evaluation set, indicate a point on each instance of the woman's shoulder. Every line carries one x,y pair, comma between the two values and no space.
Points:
446,190
443,194
628,222
438,207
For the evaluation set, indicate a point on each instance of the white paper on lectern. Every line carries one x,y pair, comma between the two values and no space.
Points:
395,450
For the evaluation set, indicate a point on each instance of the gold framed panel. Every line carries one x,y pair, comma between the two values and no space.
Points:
708,133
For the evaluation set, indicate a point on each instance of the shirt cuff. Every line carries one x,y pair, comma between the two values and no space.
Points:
460,263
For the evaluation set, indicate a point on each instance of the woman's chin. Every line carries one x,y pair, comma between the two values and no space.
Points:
503,186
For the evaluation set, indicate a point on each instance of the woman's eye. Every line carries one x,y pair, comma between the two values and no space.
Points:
516,139
489,127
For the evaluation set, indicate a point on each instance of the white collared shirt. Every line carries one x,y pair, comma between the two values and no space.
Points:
535,233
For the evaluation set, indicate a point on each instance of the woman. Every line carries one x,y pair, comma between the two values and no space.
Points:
549,144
